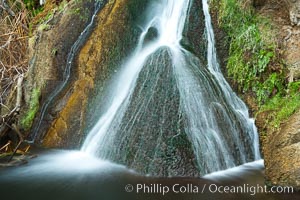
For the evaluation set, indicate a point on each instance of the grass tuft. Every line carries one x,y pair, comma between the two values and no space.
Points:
254,62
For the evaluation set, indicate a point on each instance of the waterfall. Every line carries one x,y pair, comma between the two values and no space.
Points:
214,67
166,108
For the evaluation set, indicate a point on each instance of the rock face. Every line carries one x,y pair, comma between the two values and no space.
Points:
292,40
154,142
64,121
111,40
282,154
294,11
281,149
48,53
292,52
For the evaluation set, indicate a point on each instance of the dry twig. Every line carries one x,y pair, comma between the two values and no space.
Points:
14,23
13,46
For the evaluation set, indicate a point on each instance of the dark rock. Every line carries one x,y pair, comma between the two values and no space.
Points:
151,35
259,3
151,138
194,31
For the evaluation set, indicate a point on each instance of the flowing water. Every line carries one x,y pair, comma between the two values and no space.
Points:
177,90
73,175
164,92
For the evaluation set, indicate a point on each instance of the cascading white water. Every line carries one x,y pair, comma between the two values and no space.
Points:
214,67
215,120
170,23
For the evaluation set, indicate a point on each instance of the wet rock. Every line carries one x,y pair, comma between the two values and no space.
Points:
48,52
222,43
155,141
194,31
151,35
114,36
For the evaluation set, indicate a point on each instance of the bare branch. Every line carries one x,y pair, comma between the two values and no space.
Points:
7,43
19,92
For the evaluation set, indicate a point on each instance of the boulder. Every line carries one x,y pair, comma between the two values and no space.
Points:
282,154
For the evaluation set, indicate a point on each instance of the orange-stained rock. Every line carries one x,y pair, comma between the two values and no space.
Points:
101,54
49,47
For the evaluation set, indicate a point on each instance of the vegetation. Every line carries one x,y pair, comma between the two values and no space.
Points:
27,121
250,55
33,6
14,23
17,21
282,106
254,63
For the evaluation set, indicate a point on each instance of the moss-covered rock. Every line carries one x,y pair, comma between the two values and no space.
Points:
48,52
28,118
272,94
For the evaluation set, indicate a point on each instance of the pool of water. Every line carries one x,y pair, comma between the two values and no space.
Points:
73,175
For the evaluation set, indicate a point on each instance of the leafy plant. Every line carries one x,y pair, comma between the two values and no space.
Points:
294,87
33,6
274,84
249,54
281,107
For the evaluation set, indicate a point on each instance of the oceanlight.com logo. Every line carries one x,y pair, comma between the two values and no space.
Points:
206,188
250,189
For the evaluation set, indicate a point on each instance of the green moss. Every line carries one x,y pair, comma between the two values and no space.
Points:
274,84
254,63
44,27
27,120
250,53
281,107
49,14
33,6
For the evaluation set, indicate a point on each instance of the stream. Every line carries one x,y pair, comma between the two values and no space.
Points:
73,175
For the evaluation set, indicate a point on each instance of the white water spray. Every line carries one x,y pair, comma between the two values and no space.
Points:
214,67
216,121
170,23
